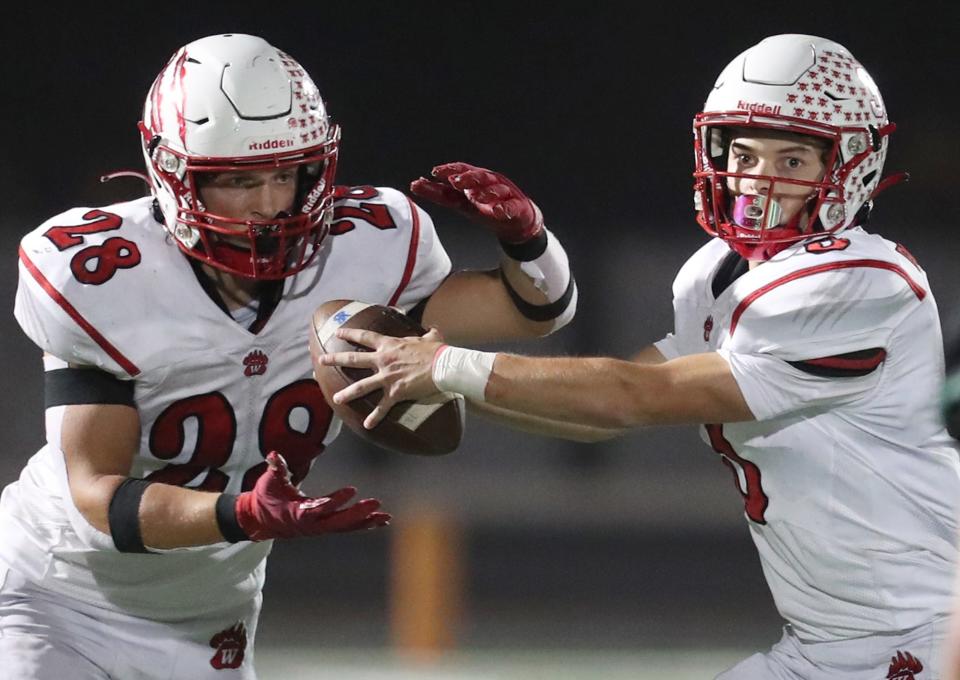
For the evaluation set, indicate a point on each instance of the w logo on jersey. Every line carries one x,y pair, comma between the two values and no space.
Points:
255,363
230,645
904,666
707,328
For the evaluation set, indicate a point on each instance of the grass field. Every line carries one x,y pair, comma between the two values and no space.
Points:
297,663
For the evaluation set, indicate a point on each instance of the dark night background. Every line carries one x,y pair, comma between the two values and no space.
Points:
633,544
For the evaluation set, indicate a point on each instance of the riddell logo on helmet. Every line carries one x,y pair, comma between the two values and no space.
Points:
757,107
270,144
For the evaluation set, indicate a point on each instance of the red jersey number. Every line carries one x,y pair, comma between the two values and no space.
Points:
746,475
215,427
375,214
113,254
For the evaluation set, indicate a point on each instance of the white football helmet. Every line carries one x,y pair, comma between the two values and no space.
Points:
800,84
232,103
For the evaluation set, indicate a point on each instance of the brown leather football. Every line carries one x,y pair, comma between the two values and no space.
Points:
430,427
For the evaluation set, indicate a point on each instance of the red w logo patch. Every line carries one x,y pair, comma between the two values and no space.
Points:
904,666
255,363
230,645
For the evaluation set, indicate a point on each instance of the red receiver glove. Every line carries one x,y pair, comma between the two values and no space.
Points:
484,196
276,509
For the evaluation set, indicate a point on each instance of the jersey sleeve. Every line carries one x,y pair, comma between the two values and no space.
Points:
817,341
428,263
773,387
668,346
688,291
53,309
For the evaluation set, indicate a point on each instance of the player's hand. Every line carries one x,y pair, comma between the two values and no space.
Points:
403,368
484,196
276,508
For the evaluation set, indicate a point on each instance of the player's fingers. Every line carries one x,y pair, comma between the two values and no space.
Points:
508,209
433,335
496,211
491,194
329,502
276,479
373,418
376,519
278,464
378,413
361,388
472,179
445,170
353,517
349,359
358,336
440,193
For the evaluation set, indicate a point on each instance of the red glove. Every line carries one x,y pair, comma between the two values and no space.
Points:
276,509
486,197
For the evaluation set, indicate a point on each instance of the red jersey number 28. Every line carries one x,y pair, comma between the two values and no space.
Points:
95,265
745,473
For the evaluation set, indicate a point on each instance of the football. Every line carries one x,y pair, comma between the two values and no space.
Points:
430,427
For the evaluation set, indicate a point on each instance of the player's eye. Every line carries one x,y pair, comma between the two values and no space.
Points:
794,163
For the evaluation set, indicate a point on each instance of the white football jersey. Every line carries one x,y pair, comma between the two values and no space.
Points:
850,483
108,288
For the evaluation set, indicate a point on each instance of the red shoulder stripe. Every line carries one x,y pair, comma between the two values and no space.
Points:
94,334
873,358
810,271
851,364
411,254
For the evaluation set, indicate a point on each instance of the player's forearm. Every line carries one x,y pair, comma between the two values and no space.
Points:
169,516
474,307
562,429
173,517
600,393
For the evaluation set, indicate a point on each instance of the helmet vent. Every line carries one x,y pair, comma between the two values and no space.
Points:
831,95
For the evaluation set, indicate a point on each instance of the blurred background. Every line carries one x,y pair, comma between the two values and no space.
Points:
516,556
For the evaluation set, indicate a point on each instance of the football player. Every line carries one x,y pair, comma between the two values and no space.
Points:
810,347
181,412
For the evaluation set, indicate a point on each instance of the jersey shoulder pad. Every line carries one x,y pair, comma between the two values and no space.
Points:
360,209
78,271
697,272
380,229
820,303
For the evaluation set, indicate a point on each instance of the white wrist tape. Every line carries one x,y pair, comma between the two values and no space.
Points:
464,371
550,272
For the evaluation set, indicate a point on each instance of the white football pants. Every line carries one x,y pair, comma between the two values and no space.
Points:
46,636
908,655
